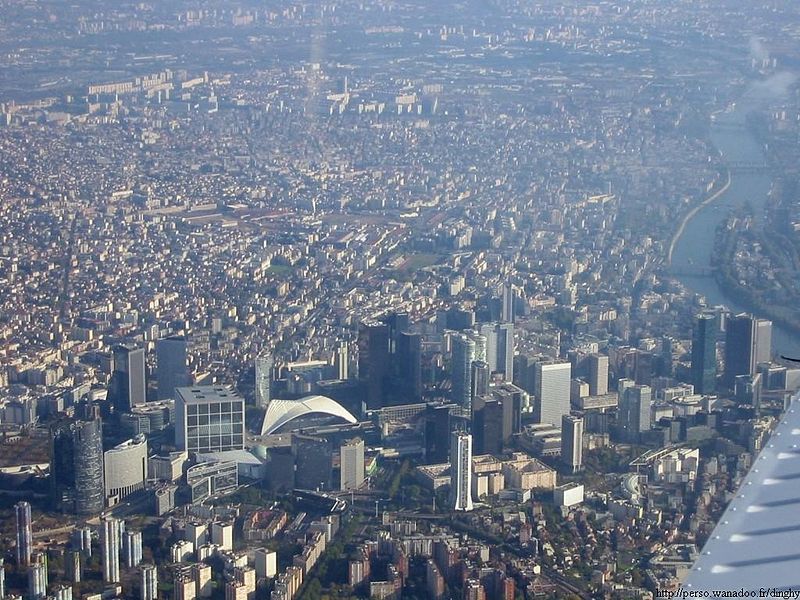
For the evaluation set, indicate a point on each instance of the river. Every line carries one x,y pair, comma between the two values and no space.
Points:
696,244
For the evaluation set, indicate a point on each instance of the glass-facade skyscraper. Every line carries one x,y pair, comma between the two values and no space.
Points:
128,387
552,391
748,342
209,419
263,365
171,368
704,354
500,348
76,466
22,511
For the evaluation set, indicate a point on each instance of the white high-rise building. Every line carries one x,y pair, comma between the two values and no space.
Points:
37,578
352,464
461,471
125,468
572,442
109,540
552,391
222,534
263,380
266,563
598,375
341,362
149,582
132,548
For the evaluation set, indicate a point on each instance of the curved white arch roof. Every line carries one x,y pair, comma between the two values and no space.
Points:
280,412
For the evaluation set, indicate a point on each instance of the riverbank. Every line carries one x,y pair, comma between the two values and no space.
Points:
725,277
690,215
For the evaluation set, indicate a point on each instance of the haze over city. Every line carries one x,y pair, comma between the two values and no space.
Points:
479,300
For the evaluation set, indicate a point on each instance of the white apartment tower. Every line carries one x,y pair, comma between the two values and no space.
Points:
461,471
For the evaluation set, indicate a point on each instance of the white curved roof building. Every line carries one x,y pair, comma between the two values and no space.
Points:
125,467
281,412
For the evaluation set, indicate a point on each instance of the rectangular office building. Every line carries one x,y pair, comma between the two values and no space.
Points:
209,419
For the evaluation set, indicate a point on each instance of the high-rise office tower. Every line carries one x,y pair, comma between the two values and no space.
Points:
437,433
762,345
373,361
125,468
313,462
572,442
500,348
665,358
634,412
461,471
747,390
481,344
132,548
510,397
598,375
397,323
461,370
479,379
88,461
748,341
509,296
351,464
552,391
704,354
487,425
37,576
263,380
149,583
341,361
2,579
109,541
76,466
209,419
22,511
524,372
408,357
643,363
128,386
459,319
171,368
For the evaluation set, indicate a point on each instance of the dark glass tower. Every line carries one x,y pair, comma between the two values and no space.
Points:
76,466
409,366
748,342
128,380
479,379
171,369
487,426
373,361
704,354
313,457
437,432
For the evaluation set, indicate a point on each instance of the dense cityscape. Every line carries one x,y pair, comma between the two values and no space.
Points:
480,300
